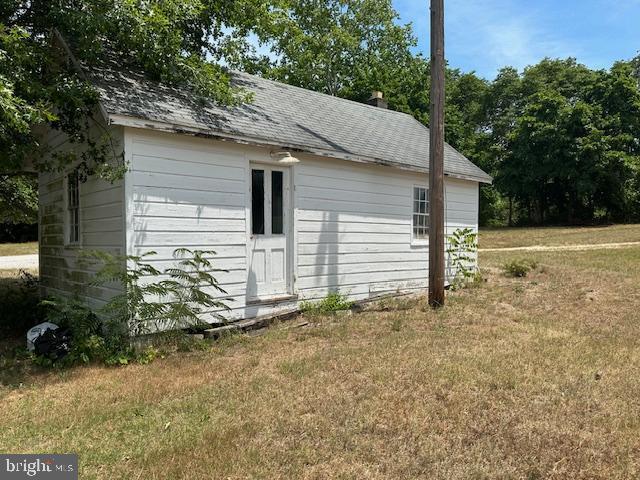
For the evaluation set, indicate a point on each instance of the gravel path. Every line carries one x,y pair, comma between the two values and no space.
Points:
19,261
560,248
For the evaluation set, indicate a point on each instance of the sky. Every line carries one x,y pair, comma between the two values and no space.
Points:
485,35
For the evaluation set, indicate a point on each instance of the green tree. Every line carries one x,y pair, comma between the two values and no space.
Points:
567,143
345,48
173,41
18,199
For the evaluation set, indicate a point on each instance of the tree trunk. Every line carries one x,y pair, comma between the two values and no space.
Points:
510,219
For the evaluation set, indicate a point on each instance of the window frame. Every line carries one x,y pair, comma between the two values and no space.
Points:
415,240
68,242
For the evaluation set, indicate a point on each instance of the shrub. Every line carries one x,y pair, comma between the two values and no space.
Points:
519,267
90,340
177,302
333,302
462,249
148,355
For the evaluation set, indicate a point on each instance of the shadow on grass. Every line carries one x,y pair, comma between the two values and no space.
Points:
19,311
16,366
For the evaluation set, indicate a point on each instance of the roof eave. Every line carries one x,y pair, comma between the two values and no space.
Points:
136,122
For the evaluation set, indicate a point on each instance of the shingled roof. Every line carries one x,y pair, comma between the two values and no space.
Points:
284,116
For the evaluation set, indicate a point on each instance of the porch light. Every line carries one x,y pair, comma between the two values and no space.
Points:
285,158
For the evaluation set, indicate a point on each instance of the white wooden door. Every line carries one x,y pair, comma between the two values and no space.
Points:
268,272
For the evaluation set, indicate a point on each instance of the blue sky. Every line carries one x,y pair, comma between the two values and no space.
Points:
485,35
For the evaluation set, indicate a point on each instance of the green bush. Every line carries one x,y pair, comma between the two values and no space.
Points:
519,267
148,355
333,302
177,300
462,251
181,300
91,340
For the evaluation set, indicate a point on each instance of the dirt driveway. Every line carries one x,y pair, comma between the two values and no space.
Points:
19,261
559,248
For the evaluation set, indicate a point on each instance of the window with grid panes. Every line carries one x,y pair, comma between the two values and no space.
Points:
420,213
73,208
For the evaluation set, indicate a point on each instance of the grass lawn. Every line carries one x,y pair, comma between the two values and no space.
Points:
18,248
516,379
525,237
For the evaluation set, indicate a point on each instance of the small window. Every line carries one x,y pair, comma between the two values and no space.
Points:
73,208
277,210
420,213
257,202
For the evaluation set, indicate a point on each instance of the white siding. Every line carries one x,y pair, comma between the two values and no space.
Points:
352,222
189,192
101,228
354,228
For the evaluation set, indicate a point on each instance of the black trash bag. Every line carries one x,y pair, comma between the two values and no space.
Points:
53,344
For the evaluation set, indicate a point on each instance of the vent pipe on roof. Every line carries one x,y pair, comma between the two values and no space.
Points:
377,101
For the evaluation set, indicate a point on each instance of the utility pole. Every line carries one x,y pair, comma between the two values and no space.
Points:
436,158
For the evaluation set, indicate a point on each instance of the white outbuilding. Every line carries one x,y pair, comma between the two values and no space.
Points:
299,193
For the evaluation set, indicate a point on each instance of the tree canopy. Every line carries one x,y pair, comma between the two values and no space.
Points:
181,42
571,143
173,41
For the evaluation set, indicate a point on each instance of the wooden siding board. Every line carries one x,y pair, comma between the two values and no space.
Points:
355,232
190,193
101,228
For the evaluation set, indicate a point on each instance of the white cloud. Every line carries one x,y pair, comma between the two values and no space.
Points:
486,35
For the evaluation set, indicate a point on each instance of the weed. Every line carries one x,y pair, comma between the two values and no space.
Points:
396,324
462,250
90,341
396,304
148,355
333,302
186,343
228,340
182,299
519,267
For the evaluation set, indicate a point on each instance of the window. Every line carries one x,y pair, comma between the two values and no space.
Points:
257,202
277,220
73,208
420,213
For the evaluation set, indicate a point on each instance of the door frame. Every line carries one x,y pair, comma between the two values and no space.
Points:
289,230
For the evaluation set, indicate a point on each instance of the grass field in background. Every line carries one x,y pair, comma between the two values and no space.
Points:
517,378
18,248
550,236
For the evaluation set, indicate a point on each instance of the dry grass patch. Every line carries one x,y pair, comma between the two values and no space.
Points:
25,248
551,236
519,378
